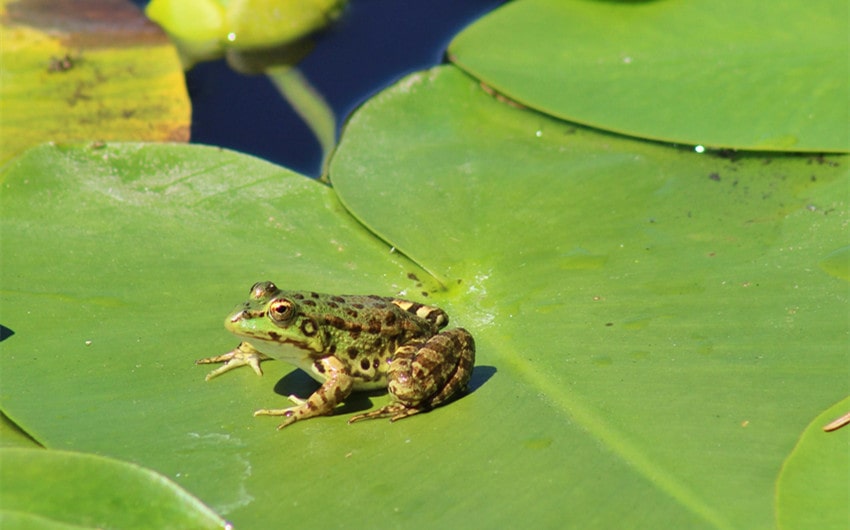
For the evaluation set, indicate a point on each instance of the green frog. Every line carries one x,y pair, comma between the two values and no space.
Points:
351,342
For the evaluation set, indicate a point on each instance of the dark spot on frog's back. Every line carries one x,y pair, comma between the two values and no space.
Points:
358,306
335,321
319,367
309,327
298,296
365,364
352,313
274,335
338,299
389,320
352,352
310,303
315,295
374,326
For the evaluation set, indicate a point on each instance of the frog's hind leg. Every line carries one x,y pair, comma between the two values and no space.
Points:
337,386
458,380
425,375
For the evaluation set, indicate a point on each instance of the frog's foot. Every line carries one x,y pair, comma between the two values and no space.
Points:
292,414
242,355
396,411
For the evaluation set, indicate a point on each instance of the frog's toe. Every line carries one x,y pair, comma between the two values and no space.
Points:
242,355
275,412
290,413
295,399
287,421
395,411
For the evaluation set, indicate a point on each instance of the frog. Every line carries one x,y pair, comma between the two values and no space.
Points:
351,343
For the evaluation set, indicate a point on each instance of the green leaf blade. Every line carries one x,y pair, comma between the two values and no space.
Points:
813,488
616,271
88,491
754,77
654,326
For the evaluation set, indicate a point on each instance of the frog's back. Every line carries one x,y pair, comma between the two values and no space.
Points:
363,331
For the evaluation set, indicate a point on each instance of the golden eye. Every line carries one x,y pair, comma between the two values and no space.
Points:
281,310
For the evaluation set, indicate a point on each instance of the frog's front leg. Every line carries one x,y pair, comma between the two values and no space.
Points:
337,386
423,376
242,355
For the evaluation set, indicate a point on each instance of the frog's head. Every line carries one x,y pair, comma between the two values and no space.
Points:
273,319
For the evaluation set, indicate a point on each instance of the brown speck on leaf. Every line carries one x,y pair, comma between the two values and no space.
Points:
62,64
729,154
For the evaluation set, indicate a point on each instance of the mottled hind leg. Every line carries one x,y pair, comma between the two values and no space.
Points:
337,386
422,376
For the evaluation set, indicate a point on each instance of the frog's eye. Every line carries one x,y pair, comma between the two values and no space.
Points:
281,310
261,289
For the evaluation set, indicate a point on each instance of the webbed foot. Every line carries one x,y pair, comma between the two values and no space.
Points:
242,355
395,411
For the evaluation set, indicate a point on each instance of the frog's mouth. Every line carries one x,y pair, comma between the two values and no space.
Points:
241,314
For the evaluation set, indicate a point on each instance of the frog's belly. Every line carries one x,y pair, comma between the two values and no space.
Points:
306,360
370,385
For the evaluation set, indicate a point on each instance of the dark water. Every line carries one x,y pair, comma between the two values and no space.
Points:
375,43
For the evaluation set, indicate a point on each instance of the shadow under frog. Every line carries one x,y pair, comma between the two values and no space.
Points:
300,383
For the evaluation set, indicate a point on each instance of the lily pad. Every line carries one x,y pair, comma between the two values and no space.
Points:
813,489
654,299
724,74
87,491
96,72
12,436
654,330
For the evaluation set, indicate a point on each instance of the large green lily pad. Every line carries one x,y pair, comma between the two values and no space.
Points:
770,76
655,327
819,458
61,490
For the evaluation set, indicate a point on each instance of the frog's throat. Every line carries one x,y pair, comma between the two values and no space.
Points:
276,345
